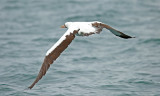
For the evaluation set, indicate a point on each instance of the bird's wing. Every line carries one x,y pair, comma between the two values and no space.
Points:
114,31
54,52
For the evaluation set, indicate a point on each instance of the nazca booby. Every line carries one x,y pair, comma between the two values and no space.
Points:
74,28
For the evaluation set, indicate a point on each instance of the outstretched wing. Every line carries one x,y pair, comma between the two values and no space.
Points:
54,52
114,31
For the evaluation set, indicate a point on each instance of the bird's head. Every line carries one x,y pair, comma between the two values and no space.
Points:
66,25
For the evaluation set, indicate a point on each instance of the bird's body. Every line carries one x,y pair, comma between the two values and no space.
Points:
85,28
74,29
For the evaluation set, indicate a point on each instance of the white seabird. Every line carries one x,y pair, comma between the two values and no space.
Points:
74,28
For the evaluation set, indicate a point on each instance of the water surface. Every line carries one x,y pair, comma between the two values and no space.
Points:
98,65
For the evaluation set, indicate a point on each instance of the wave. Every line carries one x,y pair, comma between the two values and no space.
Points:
152,40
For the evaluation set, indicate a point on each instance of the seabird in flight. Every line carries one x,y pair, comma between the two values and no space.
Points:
74,29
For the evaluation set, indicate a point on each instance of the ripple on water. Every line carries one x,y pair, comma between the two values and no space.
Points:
141,81
114,87
151,40
85,59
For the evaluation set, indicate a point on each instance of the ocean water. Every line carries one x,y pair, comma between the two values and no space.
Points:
98,65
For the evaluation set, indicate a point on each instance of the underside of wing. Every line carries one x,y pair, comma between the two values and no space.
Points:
54,52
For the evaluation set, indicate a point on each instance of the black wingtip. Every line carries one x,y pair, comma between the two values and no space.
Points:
126,36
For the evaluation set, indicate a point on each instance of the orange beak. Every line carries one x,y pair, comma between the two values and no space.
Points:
63,26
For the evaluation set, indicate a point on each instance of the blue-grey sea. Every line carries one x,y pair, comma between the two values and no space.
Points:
98,65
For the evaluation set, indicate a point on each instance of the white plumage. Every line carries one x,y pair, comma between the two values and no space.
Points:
85,27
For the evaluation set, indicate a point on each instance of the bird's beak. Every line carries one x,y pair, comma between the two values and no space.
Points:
63,26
